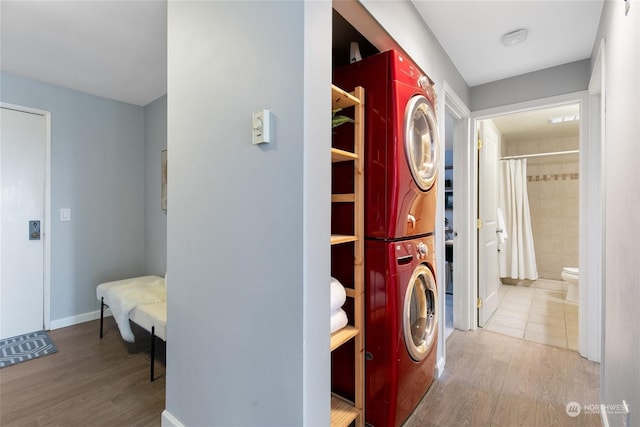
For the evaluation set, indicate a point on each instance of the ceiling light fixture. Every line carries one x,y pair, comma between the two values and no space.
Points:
515,37
565,119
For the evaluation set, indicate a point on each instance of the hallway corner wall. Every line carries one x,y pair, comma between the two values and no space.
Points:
620,378
155,219
248,225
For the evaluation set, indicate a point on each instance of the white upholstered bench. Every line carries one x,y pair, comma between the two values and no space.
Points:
152,316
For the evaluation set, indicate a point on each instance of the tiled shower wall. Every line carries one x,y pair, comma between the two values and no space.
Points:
552,184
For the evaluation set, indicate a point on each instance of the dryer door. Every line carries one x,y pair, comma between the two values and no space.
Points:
421,141
420,323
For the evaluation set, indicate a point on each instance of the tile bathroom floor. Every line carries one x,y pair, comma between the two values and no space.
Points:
537,311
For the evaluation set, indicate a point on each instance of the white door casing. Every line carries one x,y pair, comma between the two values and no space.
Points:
23,177
590,312
592,215
488,275
464,271
463,231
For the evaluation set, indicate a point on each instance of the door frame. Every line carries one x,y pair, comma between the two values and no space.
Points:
46,223
589,310
450,102
593,264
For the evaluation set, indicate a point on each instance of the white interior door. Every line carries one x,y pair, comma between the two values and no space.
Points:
488,274
22,180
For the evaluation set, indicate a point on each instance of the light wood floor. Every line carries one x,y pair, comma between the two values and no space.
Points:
88,382
489,380
496,380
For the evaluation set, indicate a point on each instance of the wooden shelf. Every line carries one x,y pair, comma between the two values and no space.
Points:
342,99
337,239
342,336
338,155
342,411
343,198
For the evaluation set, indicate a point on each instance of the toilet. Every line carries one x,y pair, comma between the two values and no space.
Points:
570,275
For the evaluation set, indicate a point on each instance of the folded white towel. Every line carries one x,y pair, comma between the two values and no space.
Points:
338,295
338,320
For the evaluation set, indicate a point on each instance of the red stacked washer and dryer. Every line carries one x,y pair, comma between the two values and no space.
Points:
401,162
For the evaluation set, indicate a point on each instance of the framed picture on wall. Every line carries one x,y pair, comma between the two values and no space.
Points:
448,199
163,194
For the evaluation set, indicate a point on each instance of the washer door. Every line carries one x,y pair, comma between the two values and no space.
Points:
420,313
421,141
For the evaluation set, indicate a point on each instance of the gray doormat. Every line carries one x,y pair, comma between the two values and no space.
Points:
25,347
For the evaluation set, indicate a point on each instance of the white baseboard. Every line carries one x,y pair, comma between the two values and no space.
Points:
439,367
169,420
603,416
79,318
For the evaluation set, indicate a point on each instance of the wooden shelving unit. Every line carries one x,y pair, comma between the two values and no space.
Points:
343,411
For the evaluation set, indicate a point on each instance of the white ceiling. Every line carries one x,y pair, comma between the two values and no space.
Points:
560,31
118,49
113,49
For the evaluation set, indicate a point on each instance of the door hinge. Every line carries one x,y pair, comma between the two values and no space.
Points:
479,302
479,143
479,223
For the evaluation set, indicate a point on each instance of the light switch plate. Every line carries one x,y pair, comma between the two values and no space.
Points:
261,127
65,214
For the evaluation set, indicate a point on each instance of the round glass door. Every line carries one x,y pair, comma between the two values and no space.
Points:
420,313
422,145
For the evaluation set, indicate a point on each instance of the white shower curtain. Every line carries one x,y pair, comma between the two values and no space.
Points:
517,254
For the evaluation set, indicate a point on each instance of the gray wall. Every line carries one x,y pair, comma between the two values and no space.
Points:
97,156
155,219
621,359
401,21
248,226
563,79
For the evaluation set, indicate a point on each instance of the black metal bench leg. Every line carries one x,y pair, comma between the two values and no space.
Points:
153,350
101,315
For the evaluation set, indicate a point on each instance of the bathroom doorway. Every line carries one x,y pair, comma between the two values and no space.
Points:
555,154
538,226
